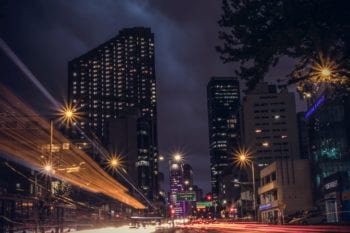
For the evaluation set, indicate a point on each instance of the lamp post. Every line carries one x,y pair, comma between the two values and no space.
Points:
243,159
325,72
115,162
67,114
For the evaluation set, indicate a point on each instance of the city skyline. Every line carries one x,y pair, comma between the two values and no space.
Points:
179,58
167,116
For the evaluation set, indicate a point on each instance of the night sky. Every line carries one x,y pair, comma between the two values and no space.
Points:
47,34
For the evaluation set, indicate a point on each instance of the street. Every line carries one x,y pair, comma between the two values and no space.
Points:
174,116
223,227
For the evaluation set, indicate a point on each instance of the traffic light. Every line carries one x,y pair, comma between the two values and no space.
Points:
209,197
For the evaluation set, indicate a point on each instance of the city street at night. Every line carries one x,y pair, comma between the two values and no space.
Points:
224,228
164,116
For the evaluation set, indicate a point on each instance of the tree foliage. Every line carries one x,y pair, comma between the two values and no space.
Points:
257,33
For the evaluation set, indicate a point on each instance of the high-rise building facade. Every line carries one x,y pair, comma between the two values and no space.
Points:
329,131
115,77
176,181
122,140
223,95
303,135
270,124
188,177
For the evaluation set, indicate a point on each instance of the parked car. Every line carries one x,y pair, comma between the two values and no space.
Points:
309,217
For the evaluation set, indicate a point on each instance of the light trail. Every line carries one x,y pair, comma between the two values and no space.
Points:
62,198
11,54
24,136
250,227
122,229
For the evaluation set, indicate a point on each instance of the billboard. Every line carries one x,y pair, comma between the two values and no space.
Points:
203,204
185,196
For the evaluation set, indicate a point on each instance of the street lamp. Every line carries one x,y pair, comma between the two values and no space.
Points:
68,114
243,159
177,157
325,72
114,162
48,168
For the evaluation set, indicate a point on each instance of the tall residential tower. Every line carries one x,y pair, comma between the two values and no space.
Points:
113,79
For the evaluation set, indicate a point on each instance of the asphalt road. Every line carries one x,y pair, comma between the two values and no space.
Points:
225,228
199,231
262,228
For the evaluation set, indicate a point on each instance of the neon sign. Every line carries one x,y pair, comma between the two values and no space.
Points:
318,103
265,206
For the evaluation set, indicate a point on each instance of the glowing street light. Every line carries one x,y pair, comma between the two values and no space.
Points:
161,158
48,168
242,158
68,114
114,162
177,157
325,72
319,73
324,69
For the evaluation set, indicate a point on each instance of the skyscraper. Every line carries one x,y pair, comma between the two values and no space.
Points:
223,96
176,181
187,177
113,78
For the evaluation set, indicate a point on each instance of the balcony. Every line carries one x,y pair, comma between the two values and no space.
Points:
270,186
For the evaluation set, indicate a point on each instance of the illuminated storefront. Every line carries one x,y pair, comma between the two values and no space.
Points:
336,190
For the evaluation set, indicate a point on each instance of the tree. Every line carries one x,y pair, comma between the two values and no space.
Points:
316,33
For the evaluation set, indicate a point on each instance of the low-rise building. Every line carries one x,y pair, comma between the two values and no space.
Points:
285,188
244,205
336,191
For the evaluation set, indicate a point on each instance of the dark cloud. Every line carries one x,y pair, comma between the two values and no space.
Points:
47,34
